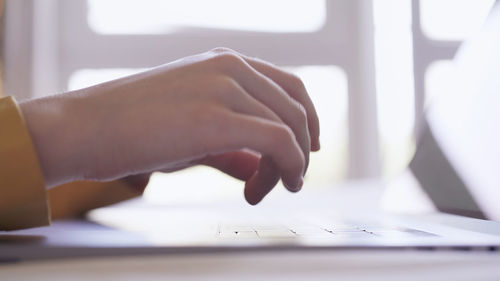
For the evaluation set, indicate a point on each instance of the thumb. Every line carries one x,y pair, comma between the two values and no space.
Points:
240,164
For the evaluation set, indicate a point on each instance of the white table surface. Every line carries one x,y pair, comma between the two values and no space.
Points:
308,265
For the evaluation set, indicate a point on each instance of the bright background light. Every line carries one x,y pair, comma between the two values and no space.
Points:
441,20
163,16
394,82
453,19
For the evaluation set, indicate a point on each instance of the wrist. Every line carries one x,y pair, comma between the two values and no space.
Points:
57,135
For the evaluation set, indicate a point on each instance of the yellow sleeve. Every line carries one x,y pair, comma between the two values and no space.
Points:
23,199
74,199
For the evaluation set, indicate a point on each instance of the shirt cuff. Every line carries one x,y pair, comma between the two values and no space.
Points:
23,199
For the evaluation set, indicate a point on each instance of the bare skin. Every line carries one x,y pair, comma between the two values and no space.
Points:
238,114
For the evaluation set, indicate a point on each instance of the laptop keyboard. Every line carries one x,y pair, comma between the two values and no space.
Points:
340,231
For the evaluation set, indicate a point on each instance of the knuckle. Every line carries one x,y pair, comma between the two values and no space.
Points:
301,113
221,50
226,83
282,135
225,88
298,111
296,82
227,60
284,139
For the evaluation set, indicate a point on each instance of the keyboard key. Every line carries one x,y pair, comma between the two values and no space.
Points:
239,234
276,233
309,231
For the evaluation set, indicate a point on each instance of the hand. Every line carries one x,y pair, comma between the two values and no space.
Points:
241,115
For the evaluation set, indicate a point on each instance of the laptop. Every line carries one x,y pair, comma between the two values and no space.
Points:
455,165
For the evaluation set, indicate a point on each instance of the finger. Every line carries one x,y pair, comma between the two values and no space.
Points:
271,95
247,104
235,131
239,164
295,88
291,112
262,181
233,96
260,177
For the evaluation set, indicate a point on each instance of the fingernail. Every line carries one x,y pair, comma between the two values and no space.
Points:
254,202
316,146
299,185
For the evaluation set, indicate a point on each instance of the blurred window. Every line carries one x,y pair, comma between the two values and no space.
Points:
453,20
394,82
437,78
160,16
